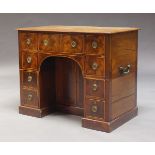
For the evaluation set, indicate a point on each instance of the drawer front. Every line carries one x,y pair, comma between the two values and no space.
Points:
49,42
95,66
28,41
95,88
94,109
29,79
95,44
29,98
29,60
72,43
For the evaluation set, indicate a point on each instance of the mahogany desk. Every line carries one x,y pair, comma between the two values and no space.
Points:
86,71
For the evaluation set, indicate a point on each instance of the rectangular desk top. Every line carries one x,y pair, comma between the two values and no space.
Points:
79,29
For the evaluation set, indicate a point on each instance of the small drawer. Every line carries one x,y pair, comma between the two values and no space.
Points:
95,87
29,60
28,41
49,42
72,43
94,109
95,66
29,98
95,44
28,78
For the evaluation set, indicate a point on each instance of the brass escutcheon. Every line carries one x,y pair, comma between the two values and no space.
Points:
94,87
94,66
29,97
73,44
29,59
45,42
94,108
29,78
94,44
28,41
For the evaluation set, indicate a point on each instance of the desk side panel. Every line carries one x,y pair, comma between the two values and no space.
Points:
124,79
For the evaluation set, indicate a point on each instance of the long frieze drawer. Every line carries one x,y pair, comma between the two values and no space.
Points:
94,87
49,42
28,41
29,60
95,66
95,44
94,108
28,78
29,98
72,43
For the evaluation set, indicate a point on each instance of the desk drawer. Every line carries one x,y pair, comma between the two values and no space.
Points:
95,66
95,44
72,43
28,79
28,41
29,60
94,109
95,87
49,42
29,98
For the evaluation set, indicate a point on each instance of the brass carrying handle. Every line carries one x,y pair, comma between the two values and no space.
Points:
125,70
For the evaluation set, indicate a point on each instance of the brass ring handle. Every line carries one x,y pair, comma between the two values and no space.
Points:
125,70
94,66
29,97
94,87
94,44
28,41
45,42
29,59
73,44
94,108
29,78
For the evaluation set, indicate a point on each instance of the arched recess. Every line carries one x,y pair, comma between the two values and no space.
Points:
61,85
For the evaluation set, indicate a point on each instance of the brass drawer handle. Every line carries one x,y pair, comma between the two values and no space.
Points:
94,108
125,70
94,87
94,44
94,66
28,41
29,59
29,78
73,44
29,97
45,42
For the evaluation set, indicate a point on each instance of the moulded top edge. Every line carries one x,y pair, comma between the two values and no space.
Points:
79,29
